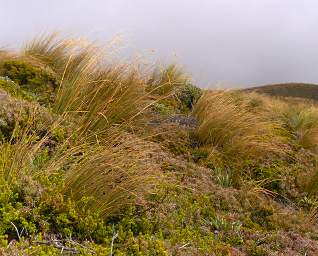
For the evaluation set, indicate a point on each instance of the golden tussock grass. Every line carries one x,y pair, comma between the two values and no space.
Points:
164,80
232,124
98,98
93,92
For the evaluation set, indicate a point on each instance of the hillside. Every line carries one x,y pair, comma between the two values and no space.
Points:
294,90
100,158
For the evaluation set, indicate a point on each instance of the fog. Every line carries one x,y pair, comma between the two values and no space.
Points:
222,42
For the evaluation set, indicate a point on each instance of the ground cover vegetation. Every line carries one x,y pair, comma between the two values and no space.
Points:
104,158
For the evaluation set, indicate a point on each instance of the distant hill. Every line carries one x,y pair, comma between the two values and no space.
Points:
294,90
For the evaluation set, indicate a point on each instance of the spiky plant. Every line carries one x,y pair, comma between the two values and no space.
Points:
301,123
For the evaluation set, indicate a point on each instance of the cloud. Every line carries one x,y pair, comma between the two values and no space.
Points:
244,42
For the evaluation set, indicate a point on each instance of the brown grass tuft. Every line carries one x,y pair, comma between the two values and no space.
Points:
227,123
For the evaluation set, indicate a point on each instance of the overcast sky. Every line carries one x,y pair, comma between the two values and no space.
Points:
230,42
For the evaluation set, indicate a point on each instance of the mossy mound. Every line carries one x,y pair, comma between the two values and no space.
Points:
29,81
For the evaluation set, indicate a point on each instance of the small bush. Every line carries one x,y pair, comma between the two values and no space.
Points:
14,89
16,115
31,79
188,96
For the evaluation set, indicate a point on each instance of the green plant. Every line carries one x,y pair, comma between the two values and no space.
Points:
188,95
14,90
35,81
224,180
302,123
82,175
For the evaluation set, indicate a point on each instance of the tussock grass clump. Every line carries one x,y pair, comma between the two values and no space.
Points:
52,51
107,177
93,92
93,96
227,123
81,173
165,80
112,178
108,97
299,120
16,161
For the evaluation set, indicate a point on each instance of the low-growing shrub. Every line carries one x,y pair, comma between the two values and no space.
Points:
17,114
35,81
25,74
14,89
188,96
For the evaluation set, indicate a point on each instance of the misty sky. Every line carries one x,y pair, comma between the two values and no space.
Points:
230,42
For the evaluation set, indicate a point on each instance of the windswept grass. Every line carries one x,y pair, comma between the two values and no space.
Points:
108,177
165,80
112,177
96,94
87,167
94,97
227,123
56,52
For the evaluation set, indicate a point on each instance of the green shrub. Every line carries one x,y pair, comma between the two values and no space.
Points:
188,96
23,73
34,80
162,108
14,89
